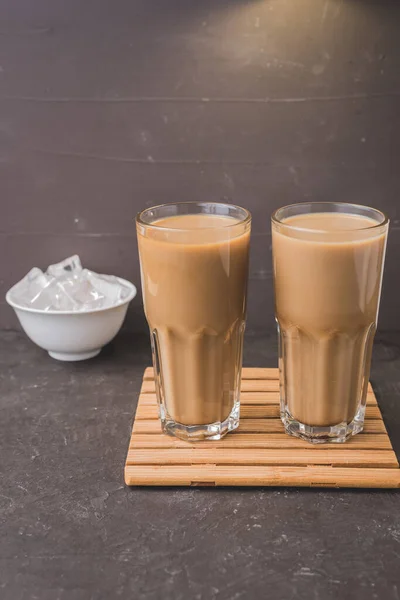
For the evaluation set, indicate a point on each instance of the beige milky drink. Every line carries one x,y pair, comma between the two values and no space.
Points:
194,266
328,264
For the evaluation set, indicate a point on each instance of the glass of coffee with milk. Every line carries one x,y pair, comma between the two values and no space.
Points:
328,263
194,260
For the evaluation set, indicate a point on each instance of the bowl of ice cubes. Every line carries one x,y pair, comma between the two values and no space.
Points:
70,311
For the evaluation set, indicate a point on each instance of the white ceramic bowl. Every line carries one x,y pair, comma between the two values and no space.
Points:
68,335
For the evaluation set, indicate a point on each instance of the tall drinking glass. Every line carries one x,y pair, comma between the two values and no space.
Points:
194,269
328,263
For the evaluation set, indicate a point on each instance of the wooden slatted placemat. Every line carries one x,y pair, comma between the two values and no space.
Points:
259,452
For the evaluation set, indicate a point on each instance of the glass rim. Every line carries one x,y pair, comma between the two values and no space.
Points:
281,223
246,219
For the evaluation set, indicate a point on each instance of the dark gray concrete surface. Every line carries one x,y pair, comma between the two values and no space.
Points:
109,106
71,529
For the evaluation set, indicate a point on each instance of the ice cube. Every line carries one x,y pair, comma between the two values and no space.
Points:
67,287
124,290
69,266
43,300
106,286
85,294
26,290
53,297
63,298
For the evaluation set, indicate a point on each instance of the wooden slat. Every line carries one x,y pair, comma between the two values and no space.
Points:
364,441
149,399
148,373
275,425
248,385
259,373
146,426
252,426
247,373
148,389
247,411
212,475
261,456
259,452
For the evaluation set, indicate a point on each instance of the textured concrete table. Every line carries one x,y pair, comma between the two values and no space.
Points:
71,530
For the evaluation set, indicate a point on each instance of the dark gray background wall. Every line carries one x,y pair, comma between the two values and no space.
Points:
109,106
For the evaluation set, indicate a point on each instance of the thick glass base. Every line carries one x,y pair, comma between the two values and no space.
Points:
196,433
320,435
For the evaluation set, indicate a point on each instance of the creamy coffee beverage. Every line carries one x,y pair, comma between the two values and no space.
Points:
328,272
194,278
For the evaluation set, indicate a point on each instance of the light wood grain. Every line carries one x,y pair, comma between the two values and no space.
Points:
247,411
247,385
150,398
259,452
261,456
366,441
248,373
310,476
262,426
